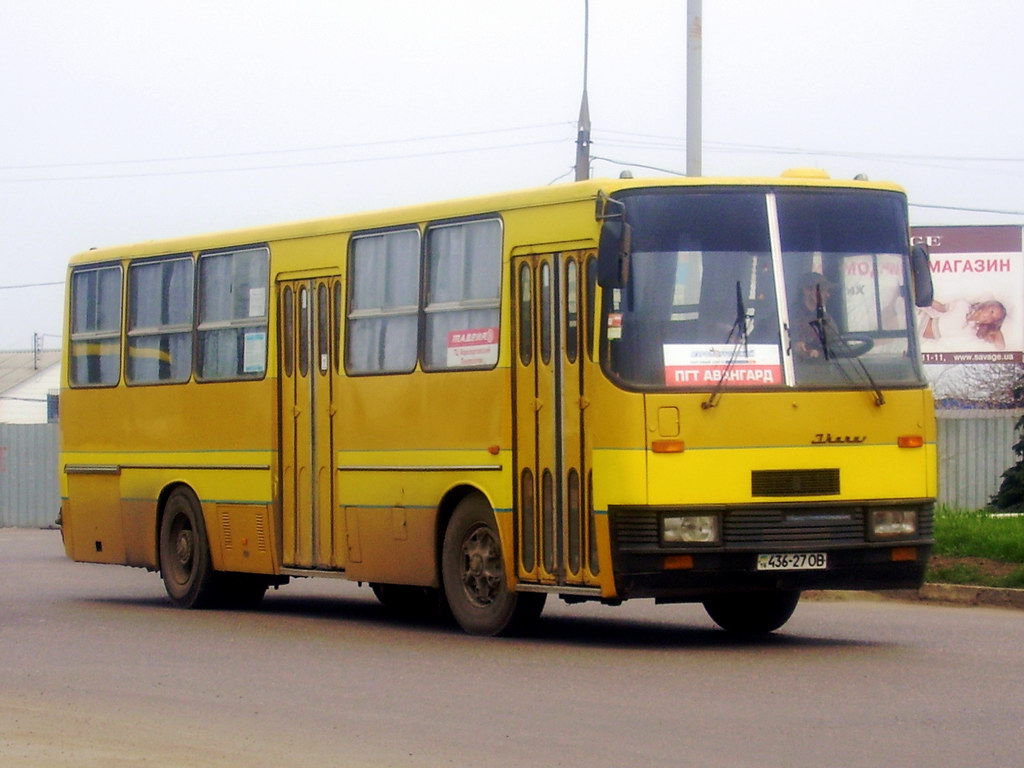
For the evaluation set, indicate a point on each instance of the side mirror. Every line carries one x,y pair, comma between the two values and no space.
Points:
613,254
921,271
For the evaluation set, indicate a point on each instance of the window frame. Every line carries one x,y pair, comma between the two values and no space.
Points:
92,335
261,322
159,330
428,309
383,312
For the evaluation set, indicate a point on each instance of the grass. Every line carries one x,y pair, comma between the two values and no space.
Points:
976,547
979,534
966,573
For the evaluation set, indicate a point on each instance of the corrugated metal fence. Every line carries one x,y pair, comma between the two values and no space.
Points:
974,451
29,494
975,448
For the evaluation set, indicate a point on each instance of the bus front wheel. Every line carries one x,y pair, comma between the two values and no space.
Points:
473,572
185,564
752,613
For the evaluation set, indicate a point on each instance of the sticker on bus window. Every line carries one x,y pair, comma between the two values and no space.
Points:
473,347
254,352
614,325
703,365
257,302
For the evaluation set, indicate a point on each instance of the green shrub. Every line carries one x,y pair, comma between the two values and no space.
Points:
1010,495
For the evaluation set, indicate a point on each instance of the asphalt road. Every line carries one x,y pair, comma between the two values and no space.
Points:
96,668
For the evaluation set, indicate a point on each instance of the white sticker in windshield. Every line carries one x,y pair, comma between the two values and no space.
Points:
700,365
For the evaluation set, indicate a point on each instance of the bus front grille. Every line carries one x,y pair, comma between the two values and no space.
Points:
793,526
794,482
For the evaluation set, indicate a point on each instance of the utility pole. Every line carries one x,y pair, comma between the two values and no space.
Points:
694,45
583,125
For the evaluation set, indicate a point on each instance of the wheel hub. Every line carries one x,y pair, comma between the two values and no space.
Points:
482,571
183,547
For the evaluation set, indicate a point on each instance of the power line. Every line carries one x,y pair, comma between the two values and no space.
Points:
29,285
294,150
961,208
638,165
311,164
677,141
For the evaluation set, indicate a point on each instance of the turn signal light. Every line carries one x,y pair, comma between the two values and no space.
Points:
667,446
678,562
904,554
910,441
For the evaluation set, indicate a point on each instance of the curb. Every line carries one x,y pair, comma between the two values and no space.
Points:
940,594
962,594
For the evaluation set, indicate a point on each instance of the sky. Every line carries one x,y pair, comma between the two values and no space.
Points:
129,120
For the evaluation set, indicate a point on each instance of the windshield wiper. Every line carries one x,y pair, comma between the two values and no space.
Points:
819,323
854,354
824,329
739,332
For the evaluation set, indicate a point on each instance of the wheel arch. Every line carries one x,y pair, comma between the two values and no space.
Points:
161,505
445,510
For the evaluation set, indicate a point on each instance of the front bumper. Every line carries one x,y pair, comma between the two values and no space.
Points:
645,567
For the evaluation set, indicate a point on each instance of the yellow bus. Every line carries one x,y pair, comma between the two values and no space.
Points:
691,390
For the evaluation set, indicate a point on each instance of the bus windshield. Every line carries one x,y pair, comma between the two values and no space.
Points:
763,288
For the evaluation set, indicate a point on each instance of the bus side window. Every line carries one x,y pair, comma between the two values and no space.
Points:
160,321
96,326
384,284
233,314
463,288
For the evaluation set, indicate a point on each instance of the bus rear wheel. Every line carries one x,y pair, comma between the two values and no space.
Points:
752,613
185,564
473,572
187,568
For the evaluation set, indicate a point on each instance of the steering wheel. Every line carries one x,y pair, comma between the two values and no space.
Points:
852,345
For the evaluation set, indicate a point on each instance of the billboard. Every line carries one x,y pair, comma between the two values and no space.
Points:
972,337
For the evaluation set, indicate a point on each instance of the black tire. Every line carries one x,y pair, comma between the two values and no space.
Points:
185,564
473,572
752,613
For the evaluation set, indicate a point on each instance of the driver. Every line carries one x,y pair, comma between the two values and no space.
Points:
804,325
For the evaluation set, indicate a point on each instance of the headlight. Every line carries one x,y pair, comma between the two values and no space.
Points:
888,523
689,529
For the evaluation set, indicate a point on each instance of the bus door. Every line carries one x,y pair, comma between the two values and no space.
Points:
550,412
308,346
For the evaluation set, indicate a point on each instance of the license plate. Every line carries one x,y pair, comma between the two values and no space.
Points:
793,561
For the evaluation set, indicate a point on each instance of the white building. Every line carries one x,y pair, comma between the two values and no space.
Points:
27,379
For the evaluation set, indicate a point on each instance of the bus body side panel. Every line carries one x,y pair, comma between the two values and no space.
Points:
407,442
92,519
222,451
619,463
